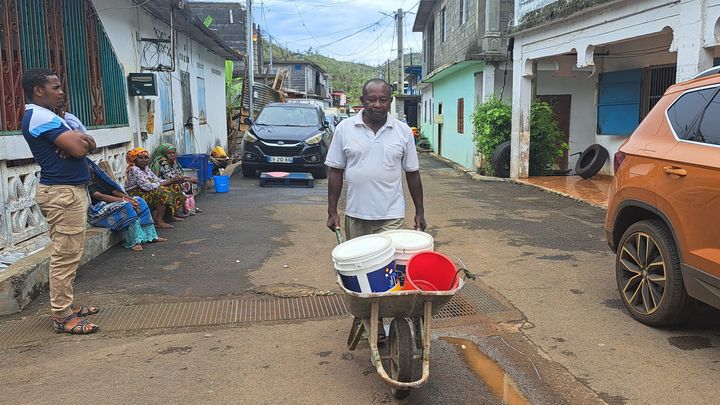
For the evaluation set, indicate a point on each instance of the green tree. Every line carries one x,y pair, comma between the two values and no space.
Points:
492,126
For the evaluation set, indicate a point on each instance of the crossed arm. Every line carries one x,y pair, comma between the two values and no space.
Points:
75,143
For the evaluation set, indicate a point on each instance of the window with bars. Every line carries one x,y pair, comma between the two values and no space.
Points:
461,116
656,79
67,37
463,11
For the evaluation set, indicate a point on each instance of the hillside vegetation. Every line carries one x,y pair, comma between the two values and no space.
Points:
346,76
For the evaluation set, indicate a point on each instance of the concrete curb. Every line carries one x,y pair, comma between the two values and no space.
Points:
479,177
27,278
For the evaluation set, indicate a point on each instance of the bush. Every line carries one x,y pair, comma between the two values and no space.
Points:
492,126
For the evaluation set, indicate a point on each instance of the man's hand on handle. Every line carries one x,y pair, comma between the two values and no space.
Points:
333,222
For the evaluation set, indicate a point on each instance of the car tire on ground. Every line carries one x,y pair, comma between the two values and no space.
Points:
320,173
591,161
500,160
247,171
647,270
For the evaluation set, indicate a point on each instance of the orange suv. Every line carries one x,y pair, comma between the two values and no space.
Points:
663,217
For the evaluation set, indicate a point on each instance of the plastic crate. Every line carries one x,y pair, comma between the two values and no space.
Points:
199,162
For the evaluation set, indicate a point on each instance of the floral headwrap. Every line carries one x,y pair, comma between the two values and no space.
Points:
132,155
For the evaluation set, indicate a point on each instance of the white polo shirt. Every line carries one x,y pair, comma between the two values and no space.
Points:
373,165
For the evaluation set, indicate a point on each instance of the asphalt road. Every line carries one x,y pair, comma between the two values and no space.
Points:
567,340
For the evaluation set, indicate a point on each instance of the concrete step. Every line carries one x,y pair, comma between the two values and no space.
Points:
27,278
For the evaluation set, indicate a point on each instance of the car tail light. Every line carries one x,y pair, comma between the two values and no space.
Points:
617,160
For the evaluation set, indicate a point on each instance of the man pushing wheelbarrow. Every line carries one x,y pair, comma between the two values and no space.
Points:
370,151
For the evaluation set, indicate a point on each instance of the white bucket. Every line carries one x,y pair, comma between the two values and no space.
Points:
366,264
407,243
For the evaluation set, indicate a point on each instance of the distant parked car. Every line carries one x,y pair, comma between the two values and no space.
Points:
663,218
291,137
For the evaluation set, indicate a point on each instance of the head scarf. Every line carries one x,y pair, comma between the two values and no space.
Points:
133,154
160,157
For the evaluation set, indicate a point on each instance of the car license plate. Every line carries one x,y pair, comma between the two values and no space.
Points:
279,159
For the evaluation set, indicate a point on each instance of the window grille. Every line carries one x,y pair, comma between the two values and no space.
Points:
656,80
67,37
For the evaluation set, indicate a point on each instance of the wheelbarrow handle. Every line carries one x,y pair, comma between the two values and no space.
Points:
339,236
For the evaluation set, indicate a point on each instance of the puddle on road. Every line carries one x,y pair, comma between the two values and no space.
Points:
499,382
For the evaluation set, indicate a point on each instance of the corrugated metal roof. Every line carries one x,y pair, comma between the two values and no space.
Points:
188,24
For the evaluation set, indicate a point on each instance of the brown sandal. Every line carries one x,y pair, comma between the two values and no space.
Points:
74,325
85,310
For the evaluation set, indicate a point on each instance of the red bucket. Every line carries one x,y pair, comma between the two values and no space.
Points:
430,271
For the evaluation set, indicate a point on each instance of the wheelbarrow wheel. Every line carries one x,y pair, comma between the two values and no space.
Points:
400,348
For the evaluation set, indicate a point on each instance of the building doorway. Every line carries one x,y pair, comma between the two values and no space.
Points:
440,125
560,105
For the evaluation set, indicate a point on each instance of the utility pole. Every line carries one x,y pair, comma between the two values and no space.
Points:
401,61
387,67
270,40
250,59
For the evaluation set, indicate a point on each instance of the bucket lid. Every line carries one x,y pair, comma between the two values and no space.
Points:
408,240
361,247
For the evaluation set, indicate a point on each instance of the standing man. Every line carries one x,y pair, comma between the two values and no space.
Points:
371,150
61,194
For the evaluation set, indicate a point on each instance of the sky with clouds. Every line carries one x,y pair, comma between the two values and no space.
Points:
350,30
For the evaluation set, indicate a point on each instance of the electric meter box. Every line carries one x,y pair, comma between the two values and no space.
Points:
142,84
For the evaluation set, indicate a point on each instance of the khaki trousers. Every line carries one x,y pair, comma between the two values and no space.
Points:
355,227
65,208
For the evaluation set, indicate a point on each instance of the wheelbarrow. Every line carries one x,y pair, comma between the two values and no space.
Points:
409,337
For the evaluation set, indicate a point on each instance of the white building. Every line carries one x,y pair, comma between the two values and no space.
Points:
609,60
93,45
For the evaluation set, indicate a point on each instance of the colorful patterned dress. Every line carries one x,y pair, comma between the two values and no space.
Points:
144,183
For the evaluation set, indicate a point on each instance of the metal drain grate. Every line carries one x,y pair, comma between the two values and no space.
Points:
185,314
483,302
457,306
472,300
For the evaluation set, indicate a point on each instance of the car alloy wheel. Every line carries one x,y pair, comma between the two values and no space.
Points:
647,270
642,273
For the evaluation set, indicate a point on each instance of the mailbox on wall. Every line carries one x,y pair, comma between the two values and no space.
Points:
142,84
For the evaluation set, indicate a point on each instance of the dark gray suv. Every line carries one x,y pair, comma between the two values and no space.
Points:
289,137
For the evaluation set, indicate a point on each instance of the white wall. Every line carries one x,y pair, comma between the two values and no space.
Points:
124,27
583,108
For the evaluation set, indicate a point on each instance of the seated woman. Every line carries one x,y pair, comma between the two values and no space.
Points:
159,194
166,166
110,207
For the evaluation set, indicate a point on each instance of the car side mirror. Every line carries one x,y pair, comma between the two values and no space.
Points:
248,121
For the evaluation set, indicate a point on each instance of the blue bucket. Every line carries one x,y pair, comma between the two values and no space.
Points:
222,184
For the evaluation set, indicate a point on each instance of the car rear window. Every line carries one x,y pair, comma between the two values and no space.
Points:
710,125
288,116
686,110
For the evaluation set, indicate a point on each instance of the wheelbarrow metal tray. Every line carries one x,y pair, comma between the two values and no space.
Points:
393,304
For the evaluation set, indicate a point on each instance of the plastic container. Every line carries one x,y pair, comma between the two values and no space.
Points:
199,162
430,271
222,184
408,242
366,264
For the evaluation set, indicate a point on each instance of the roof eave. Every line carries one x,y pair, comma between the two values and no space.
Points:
425,8
195,29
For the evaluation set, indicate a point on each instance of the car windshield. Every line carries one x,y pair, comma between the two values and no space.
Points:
288,116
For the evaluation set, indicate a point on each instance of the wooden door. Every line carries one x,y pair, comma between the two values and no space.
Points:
561,107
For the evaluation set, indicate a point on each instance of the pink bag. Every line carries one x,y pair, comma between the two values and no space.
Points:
190,204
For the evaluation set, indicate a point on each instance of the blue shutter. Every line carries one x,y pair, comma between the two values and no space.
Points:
619,102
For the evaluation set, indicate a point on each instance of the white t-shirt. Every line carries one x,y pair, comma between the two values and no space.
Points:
373,165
